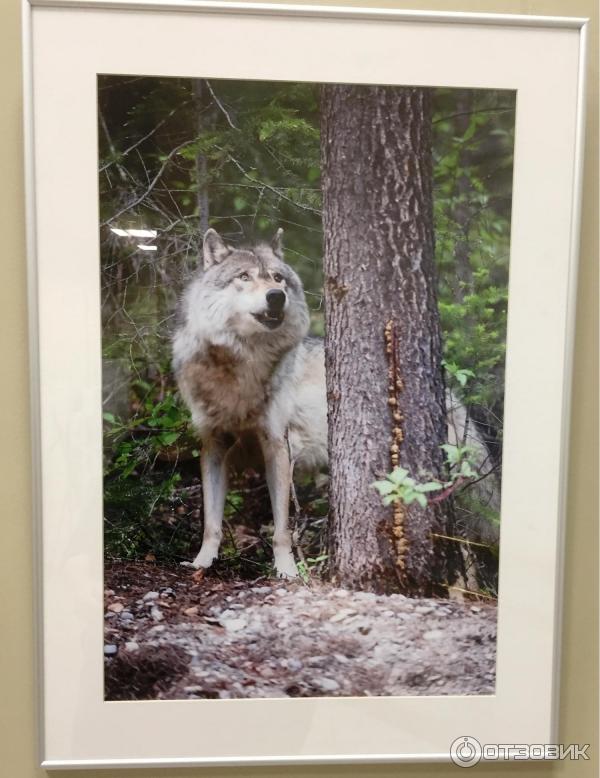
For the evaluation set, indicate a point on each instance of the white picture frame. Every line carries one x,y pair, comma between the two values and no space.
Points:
66,43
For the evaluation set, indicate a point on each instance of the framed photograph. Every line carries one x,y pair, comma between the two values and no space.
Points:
301,302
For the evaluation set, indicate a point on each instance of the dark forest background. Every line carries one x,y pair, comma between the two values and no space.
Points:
177,156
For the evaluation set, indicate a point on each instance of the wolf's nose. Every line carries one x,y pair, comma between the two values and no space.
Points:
275,300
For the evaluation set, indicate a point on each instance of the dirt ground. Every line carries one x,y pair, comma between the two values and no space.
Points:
170,637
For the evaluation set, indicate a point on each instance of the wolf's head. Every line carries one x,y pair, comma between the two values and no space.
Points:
249,293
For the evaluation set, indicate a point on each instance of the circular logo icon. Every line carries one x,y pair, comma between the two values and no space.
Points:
465,751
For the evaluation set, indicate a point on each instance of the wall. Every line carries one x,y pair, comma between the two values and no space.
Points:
579,672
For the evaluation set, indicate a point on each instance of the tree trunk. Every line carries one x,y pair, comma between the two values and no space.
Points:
379,269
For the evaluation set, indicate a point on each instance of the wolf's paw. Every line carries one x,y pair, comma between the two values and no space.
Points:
205,558
286,567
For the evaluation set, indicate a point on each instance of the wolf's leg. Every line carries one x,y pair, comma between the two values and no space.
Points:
278,470
214,489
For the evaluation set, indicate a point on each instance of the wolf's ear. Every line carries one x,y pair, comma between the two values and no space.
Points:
277,243
214,248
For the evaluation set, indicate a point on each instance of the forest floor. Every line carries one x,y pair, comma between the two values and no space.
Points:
168,636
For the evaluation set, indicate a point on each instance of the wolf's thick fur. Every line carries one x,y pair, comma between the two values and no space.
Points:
244,364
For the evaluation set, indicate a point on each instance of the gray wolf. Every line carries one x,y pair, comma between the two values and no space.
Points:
245,366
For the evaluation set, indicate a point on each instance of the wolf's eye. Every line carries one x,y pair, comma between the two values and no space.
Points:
278,278
244,277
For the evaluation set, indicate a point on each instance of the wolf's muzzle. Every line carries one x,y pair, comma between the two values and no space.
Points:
273,316
275,300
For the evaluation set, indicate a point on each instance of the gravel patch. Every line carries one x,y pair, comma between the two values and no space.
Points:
175,638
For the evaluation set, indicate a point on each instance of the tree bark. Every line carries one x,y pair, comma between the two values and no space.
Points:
379,269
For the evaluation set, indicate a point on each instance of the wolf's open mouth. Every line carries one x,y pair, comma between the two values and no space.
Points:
270,319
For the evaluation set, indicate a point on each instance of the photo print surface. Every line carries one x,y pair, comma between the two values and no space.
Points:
304,295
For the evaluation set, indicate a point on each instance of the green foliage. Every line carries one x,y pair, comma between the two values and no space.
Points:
234,503
154,430
460,462
399,485
305,567
140,474
473,158
460,375
130,532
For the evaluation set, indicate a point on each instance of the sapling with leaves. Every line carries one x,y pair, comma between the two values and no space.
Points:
400,485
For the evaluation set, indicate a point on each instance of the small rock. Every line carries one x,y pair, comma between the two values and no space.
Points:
433,634
131,646
261,589
341,615
382,651
156,614
326,684
475,609
280,592
116,607
193,611
149,596
110,615
110,649
126,616
424,609
294,664
109,592
235,625
365,596
387,614
341,593
341,658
